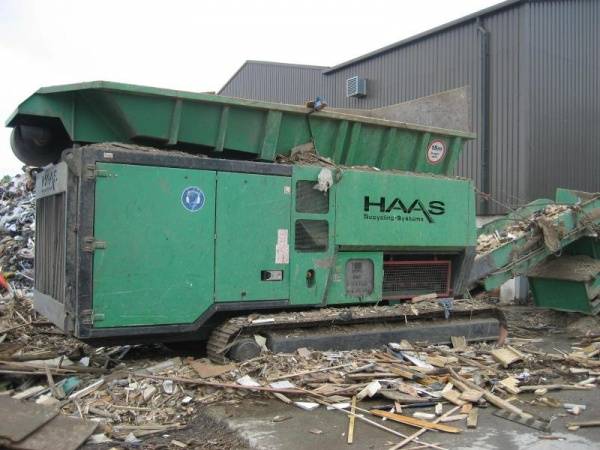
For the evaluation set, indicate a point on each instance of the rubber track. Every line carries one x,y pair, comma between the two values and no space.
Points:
224,335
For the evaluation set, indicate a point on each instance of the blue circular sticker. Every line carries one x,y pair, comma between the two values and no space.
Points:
192,198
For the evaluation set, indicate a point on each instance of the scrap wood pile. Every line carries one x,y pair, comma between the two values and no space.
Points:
538,222
422,386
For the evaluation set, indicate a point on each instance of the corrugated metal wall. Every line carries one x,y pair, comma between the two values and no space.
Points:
448,60
283,83
565,96
544,96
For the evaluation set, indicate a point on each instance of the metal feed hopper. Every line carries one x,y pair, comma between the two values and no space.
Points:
55,118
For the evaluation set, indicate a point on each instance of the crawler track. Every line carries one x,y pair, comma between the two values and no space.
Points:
404,315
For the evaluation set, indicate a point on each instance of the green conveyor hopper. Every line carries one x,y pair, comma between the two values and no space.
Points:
55,118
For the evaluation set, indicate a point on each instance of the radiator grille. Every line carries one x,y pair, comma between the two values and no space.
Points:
50,246
406,279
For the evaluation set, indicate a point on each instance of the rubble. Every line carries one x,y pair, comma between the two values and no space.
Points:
152,396
528,225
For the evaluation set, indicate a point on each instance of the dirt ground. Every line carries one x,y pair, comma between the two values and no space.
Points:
202,433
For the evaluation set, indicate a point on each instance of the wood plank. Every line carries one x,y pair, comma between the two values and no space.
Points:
453,397
466,408
493,399
377,425
412,421
471,395
422,430
510,384
506,356
588,423
472,418
351,420
307,372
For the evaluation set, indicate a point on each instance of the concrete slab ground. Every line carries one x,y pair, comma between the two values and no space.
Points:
253,421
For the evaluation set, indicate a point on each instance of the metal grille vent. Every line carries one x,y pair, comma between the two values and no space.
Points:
406,279
311,200
356,87
50,246
311,235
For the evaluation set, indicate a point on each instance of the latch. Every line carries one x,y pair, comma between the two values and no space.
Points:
90,244
88,317
91,172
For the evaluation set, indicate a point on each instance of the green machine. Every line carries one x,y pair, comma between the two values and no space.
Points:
556,248
209,211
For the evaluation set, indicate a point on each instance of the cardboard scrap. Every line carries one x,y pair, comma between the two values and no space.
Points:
459,343
207,369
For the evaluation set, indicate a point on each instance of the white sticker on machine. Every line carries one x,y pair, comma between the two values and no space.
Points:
436,152
282,248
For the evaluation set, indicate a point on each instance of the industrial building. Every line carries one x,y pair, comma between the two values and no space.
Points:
532,67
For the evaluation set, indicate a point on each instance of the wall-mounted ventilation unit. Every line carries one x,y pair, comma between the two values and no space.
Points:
356,87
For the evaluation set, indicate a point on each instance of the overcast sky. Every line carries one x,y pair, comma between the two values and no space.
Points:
190,45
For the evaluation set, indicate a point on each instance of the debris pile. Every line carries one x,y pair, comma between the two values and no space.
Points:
426,387
539,222
17,229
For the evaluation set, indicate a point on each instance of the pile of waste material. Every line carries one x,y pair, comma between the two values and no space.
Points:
532,224
17,230
131,396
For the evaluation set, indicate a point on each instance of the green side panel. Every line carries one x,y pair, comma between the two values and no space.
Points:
305,290
388,210
253,222
589,246
560,294
337,293
157,267
500,264
212,124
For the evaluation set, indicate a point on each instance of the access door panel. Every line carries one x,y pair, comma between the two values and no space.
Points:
157,228
252,248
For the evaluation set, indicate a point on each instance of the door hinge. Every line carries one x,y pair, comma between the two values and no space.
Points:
90,244
88,317
91,172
